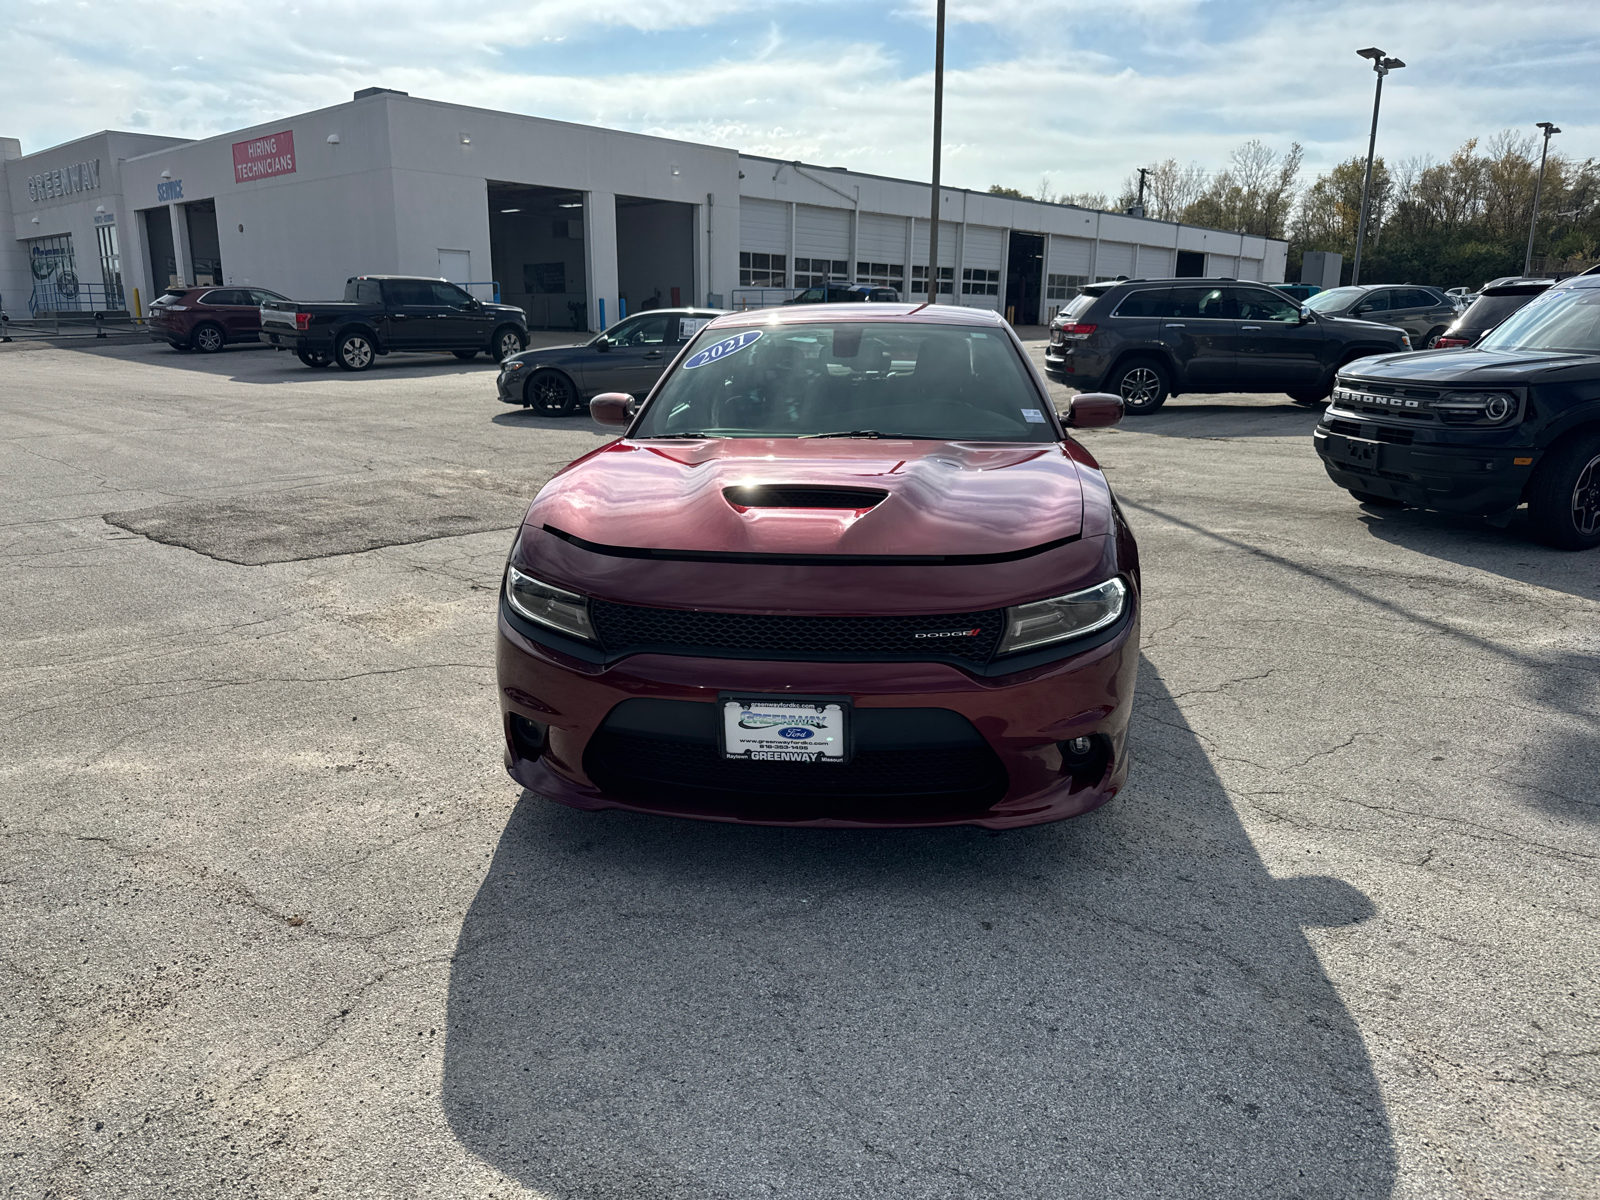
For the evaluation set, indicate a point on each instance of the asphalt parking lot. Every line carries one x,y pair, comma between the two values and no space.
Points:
276,922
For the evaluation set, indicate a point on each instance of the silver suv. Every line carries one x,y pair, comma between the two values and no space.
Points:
1423,312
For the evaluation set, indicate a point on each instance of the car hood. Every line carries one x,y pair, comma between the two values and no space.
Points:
533,356
1366,326
941,498
1469,366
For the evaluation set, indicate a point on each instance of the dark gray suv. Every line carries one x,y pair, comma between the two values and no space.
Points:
1147,339
1423,312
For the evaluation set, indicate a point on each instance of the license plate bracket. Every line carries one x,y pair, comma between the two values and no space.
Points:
799,729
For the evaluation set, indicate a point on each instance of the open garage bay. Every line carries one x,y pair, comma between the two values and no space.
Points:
277,923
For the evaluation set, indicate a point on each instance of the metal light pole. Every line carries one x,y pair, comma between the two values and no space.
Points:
1527,263
1382,65
938,137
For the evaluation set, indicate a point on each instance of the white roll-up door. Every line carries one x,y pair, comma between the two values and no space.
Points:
763,226
821,232
881,239
983,248
947,243
1221,265
1250,268
1155,262
1115,258
1070,255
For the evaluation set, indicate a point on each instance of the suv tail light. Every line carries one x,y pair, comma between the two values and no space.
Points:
1078,332
302,321
1446,343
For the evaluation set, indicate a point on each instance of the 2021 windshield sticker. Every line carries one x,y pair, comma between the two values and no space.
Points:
720,350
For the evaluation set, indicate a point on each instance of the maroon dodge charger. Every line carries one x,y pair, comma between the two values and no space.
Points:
844,568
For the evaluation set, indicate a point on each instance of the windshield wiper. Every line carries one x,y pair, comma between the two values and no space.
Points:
661,437
861,433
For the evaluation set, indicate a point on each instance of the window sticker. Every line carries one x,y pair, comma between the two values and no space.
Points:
689,326
718,350
1033,416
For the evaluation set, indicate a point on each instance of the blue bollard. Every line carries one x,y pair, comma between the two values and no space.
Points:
602,303
622,308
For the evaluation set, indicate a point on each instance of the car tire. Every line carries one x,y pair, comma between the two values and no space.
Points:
1309,395
1376,501
550,394
208,338
1564,495
1433,337
465,355
1142,383
507,341
314,358
355,352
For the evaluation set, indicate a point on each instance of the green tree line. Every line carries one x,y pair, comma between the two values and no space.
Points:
1453,223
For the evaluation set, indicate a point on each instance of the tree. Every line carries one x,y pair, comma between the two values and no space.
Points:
996,190
1255,194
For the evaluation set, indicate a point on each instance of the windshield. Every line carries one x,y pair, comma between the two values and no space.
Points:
1488,311
1561,319
1336,299
861,378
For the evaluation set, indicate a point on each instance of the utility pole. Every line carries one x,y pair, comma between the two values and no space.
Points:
1143,171
938,137
1382,65
1527,264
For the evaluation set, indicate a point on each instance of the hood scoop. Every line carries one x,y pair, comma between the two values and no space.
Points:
802,495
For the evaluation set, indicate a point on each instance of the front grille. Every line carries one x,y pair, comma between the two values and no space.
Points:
888,784
1395,437
631,629
1348,428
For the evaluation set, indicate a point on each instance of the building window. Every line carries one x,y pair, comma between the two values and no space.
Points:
814,272
919,281
110,265
1064,287
763,270
975,281
890,275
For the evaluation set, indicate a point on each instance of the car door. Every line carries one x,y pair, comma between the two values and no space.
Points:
1374,306
462,323
1213,334
596,364
233,311
1276,351
638,353
409,312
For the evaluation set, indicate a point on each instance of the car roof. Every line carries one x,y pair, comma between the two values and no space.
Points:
796,314
1105,285
419,278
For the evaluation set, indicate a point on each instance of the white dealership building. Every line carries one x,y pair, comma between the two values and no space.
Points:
574,223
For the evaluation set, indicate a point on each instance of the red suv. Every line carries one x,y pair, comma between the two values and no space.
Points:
208,318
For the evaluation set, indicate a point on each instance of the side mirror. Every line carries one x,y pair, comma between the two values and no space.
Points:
611,408
1362,310
602,343
1305,314
473,304
1094,410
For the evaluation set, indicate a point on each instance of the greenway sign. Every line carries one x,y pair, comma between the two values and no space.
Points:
64,181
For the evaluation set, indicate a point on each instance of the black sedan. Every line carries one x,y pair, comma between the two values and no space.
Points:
628,357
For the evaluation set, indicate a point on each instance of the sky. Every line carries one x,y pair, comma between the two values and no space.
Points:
1076,91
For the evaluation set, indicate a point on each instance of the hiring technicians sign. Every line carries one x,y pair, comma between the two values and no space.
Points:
263,157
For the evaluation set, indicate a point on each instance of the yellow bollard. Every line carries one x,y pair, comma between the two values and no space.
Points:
138,312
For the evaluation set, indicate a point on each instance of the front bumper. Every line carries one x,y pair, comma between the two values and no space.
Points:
1475,480
1021,718
509,385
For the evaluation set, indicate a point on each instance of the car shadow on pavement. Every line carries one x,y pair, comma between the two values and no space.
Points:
1121,1005
1249,417
264,364
1510,550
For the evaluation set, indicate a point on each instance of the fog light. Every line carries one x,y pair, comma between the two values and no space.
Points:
1079,747
527,737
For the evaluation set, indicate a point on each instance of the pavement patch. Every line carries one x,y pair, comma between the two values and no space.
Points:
329,519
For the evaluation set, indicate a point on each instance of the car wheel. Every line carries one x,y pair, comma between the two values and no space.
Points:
1564,497
1142,383
354,352
314,358
208,338
507,342
1376,501
551,394
465,355
1433,337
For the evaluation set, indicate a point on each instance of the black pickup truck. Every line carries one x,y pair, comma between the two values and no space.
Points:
384,313
1514,420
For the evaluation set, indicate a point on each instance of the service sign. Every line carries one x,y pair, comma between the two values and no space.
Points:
263,157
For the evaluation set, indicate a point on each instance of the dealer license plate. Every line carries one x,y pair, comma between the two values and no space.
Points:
786,729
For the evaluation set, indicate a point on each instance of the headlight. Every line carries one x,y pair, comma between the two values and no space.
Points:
1062,617
1406,338
512,366
561,610
1475,408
